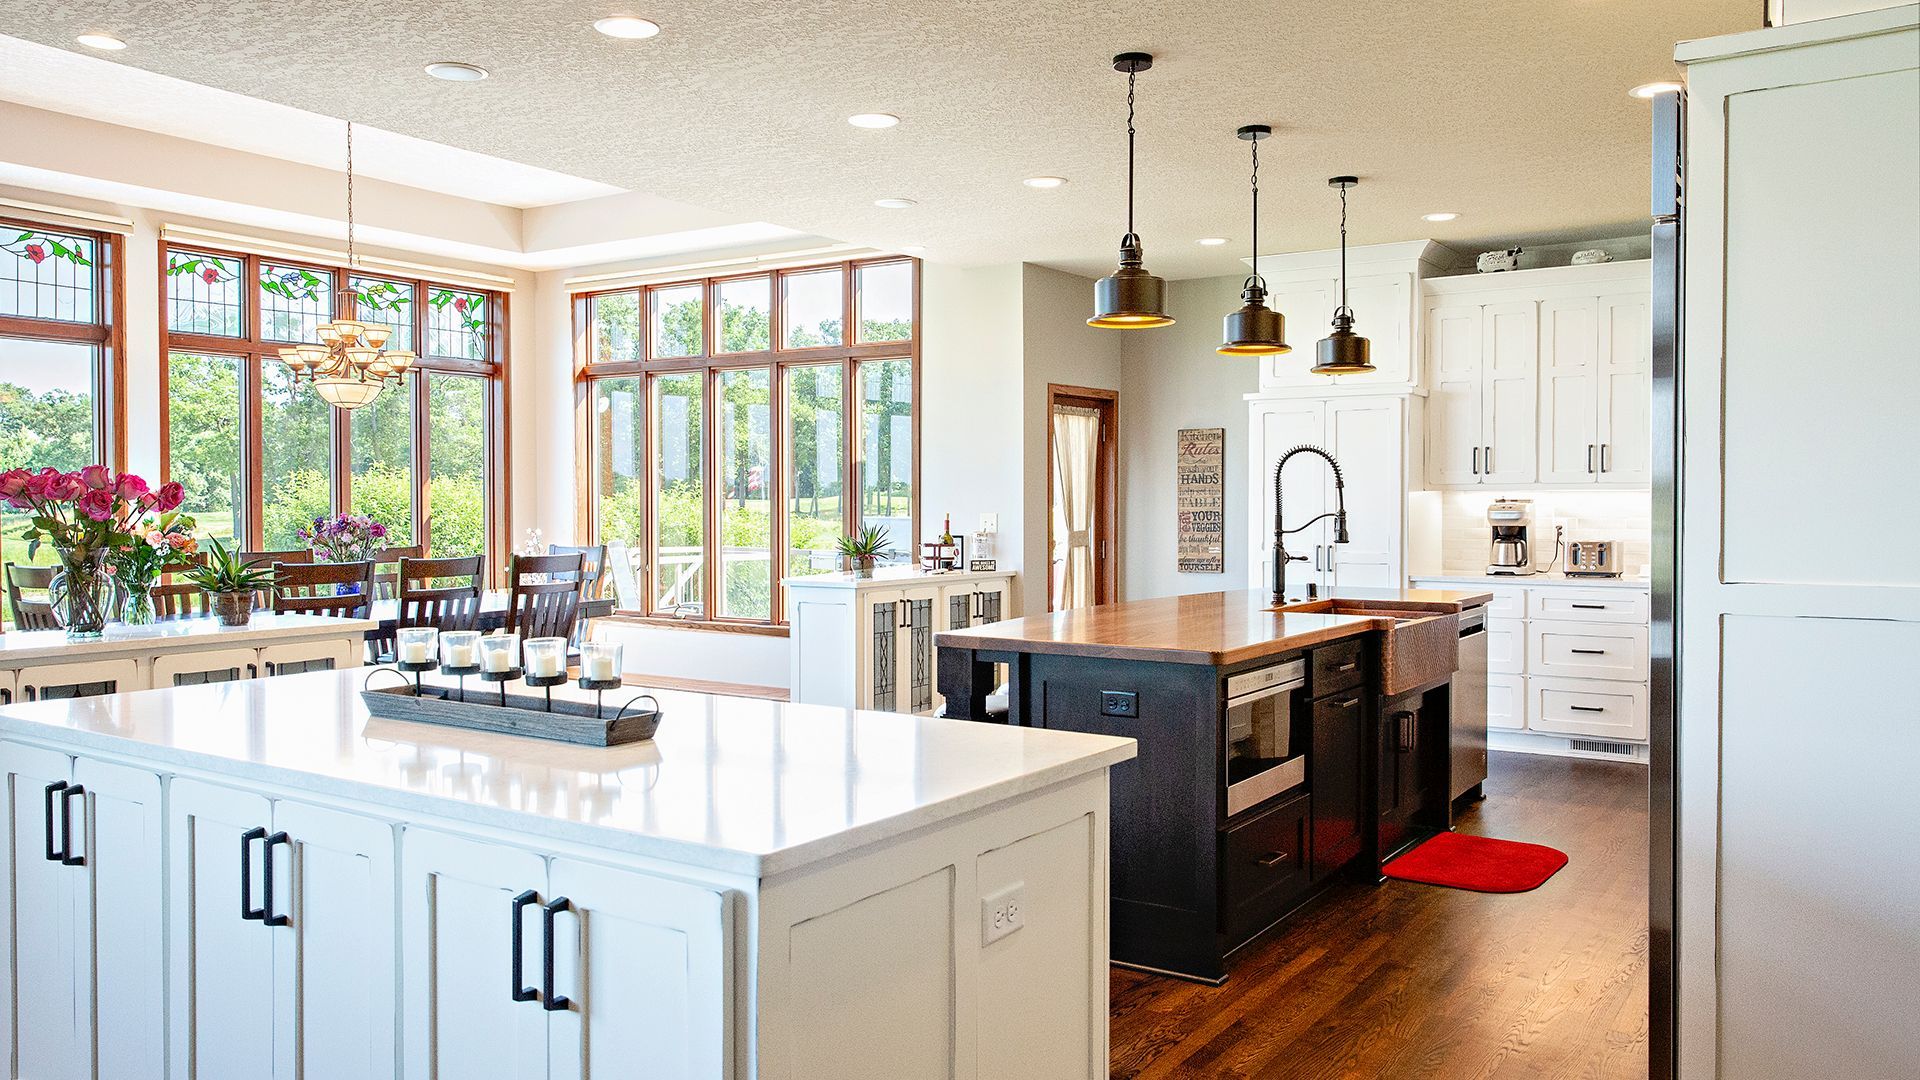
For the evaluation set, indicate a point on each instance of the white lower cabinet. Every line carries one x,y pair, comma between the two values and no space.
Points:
1598,708
1506,646
1507,702
283,947
520,967
82,950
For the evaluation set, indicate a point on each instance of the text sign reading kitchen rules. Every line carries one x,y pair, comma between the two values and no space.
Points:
1200,500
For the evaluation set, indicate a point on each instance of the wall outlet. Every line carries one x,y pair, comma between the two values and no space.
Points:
1121,703
989,523
1003,912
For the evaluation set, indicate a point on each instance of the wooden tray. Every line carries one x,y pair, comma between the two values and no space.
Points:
524,714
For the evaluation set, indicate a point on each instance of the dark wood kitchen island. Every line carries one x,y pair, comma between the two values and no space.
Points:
1279,748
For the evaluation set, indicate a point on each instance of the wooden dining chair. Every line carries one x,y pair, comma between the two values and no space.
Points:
386,569
314,588
180,600
35,612
593,564
263,598
549,607
441,593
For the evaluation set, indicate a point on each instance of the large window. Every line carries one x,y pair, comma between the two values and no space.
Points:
733,433
261,455
58,358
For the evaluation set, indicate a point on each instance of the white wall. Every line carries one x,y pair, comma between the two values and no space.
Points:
1171,379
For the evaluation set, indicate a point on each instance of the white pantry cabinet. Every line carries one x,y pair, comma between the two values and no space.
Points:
867,643
283,937
82,950
1370,437
1539,377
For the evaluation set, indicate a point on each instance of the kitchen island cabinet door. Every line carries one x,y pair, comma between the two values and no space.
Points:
221,969
334,958
124,877
645,967
1337,778
459,906
47,1020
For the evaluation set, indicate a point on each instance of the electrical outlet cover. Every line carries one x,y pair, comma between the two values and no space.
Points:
1003,912
989,523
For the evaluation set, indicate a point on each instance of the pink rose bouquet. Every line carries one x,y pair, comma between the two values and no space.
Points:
100,525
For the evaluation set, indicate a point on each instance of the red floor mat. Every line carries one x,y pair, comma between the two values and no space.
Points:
1479,863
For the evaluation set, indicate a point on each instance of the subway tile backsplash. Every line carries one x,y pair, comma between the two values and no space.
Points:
1625,516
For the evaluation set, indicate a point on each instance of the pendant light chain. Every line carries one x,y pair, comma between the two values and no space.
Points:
351,263
1256,206
1343,250
1131,76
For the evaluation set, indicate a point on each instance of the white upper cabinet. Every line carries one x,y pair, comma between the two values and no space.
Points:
1381,289
1365,433
1308,308
1539,378
1279,426
1369,437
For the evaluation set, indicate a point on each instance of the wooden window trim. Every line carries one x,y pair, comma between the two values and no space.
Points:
254,350
107,332
778,359
1106,585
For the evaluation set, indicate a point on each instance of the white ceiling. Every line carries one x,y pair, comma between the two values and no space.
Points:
1512,112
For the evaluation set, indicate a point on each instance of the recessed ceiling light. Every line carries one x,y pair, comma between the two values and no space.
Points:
1647,90
453,71
893,204
1444,215
1212,241
1044,182
104,42
630,27
873,120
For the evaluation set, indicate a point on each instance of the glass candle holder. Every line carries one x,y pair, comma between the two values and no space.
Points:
546,657
460,649
499,653
415,644
600,661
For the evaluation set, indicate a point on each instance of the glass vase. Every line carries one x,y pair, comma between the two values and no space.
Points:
83,593
136,603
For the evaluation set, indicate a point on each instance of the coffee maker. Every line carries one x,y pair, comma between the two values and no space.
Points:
1510,519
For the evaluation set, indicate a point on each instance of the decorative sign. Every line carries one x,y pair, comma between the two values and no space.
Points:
1200,500
977,565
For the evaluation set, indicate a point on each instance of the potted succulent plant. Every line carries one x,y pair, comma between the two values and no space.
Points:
231,581
864,548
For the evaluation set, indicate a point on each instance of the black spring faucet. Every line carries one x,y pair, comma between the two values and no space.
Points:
1280,533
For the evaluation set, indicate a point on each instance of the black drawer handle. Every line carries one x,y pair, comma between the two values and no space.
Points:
1587,708
521,991
67,857
553,1002
266,892
1274,858
247,910
1588,652
1589,607
52,789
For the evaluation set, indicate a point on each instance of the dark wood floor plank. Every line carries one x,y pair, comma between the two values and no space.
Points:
1407,981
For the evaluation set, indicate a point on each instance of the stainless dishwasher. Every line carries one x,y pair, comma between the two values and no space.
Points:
1468,706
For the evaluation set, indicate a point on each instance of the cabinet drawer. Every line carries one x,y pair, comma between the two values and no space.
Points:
1506,646
1335,668
1263,867
1507,702
1506,603
1590,605
1607,710
1587,650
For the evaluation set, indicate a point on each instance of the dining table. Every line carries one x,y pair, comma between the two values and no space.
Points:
493,612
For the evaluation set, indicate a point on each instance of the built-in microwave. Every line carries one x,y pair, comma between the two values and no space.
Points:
1265,752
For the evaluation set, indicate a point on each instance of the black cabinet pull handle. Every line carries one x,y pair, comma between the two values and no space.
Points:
247,910
52,789
521,991
1589,607
266,873
1487,459
1604,467
1589,457
1476,461
1587,708
67,857
1588,652
553,1002
1273,858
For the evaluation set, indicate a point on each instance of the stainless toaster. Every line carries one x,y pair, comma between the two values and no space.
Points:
1593,558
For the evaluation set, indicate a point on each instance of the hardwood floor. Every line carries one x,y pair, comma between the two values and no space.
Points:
1406,980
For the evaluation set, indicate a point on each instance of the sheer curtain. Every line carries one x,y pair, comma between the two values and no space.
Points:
1076,443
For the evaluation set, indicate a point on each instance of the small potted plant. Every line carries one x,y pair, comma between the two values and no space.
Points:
231,581
864,548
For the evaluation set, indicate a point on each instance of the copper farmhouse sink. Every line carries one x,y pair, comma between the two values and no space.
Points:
1418,645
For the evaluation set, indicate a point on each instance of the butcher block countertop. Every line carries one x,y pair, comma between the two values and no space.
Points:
1218,629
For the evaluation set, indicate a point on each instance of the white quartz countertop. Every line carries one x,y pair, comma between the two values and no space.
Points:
1529,580
171,635
889,575
734,784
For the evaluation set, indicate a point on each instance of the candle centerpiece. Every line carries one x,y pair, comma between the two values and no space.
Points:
546,664
599,668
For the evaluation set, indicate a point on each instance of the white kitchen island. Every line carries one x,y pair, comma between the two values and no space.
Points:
255,879
173,652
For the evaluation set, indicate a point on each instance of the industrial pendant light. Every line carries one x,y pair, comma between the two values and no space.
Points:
1256,329
1130,298
1343,352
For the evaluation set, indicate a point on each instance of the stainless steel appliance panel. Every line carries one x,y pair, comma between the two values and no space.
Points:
1468,706
1261,756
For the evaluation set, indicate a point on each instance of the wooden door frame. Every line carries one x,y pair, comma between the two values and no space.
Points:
1106,495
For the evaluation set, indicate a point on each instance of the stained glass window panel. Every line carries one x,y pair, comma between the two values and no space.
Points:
47,275
457,324
294,300
203,294
379,302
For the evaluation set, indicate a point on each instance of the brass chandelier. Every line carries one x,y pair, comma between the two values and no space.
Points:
350,365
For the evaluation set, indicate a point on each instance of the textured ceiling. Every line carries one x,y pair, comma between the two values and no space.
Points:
1512,112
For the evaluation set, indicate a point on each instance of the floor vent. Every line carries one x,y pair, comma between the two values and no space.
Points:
1611,749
